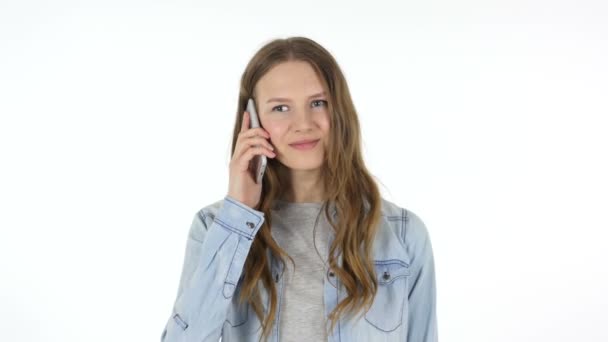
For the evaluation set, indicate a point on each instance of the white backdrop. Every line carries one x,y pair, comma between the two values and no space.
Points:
485,118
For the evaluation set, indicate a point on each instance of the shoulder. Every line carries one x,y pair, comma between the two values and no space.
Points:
407,224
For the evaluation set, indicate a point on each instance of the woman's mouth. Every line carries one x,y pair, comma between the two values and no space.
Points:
305,146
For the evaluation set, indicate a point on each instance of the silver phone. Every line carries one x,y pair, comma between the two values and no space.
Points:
258,163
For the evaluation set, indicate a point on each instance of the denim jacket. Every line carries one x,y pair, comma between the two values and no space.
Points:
219,239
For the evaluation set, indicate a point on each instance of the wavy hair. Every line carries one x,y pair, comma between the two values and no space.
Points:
349,188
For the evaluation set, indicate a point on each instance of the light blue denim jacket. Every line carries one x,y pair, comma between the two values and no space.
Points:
219,240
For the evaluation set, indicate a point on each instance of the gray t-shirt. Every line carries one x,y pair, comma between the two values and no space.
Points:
302,307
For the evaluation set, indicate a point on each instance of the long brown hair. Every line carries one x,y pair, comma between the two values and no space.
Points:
349,187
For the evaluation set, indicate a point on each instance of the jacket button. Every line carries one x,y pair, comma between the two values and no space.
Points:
386,276
250,224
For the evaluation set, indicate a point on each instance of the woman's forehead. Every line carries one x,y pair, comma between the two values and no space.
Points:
287,79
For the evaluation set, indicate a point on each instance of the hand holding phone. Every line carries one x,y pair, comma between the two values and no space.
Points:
249,159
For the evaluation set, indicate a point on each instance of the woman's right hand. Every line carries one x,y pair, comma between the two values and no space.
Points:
241,185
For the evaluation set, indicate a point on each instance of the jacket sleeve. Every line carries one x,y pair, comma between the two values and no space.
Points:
212,266
422,298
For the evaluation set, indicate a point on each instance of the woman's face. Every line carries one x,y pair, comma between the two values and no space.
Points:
292,107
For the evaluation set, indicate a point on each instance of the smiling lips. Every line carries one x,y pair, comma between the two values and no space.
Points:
305,144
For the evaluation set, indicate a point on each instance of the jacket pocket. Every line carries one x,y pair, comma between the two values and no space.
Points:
386,312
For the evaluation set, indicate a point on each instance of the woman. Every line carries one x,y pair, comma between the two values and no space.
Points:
365,267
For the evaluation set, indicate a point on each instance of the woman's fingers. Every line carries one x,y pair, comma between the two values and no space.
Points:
245,122
253,141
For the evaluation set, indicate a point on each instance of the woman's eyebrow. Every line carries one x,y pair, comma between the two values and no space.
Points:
282,99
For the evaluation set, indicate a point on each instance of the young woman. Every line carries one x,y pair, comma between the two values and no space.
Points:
361,268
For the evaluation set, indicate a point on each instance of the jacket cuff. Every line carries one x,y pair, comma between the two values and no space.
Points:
239,218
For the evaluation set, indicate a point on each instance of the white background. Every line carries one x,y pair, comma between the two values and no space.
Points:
485,118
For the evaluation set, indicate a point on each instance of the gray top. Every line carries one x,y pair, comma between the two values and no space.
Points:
302,315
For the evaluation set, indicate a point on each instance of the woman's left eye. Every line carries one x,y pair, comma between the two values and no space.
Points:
325,102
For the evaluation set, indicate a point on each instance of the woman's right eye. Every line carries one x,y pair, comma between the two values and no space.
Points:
278,107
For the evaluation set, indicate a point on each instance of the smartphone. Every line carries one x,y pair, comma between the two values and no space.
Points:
258,163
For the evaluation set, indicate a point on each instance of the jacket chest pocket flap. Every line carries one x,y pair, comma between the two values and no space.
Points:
386,312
